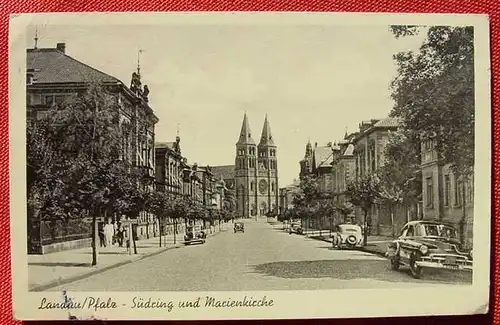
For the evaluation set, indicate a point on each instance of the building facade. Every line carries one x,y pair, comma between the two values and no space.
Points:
343,168
369,146
317,162
256,173
169,165
54,78
286,196
445,196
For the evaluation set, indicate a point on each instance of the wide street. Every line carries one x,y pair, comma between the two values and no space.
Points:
261,258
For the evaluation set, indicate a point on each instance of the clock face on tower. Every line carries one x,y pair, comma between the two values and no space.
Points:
263,187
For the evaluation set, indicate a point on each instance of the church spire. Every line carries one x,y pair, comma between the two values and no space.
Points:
309,149
245,133
266,139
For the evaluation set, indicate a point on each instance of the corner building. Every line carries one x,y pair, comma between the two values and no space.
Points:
256,173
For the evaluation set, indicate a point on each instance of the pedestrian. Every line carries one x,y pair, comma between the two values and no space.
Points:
101,234
108,233
119,236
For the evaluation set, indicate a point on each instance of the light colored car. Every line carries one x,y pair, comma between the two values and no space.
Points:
428,244
296,228
347,236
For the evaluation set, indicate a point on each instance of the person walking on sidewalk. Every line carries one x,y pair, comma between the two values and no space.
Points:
108,233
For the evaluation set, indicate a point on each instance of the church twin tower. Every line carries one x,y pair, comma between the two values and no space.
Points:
256,173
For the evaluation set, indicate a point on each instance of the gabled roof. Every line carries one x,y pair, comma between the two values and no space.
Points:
390,122
349,151
52,66
168,145
323,157
224,172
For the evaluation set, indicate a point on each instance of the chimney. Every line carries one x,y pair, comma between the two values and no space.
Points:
61,47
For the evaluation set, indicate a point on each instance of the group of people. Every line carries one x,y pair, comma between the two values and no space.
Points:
113,233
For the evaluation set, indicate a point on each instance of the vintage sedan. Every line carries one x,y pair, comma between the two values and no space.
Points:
347,236
194,235
428,244
239,227
296,228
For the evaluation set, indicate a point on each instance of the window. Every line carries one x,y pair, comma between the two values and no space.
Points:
59,99
49,100
36,99
430,192
272,187
470,191
458,192
447,188
251,186
410,232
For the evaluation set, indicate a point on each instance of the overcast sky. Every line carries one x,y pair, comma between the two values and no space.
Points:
312,81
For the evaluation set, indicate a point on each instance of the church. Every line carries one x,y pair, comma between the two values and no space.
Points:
255,173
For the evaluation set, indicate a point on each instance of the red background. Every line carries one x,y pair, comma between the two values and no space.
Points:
492,8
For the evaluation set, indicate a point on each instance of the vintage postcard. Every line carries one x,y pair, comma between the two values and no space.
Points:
201,166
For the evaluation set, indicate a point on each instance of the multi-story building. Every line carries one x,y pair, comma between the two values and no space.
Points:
343,167
446,197
369,146
318,163
256,173
53,78
169,166
287,194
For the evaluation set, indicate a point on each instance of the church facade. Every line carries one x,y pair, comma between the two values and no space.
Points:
256,173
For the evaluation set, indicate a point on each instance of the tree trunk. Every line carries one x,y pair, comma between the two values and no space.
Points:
175,230
161,229
365,225
95,238
393,231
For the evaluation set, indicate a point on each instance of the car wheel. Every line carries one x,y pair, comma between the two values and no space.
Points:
395,263
416,271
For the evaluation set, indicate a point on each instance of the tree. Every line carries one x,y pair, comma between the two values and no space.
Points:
345,209
87,126
364,192
304,198
434,95
434,92
158,203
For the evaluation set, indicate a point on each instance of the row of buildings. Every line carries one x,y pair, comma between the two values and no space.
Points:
52,76
443,196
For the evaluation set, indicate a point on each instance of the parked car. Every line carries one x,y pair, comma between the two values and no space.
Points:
296,228
347,236
428,244
194,235
239,227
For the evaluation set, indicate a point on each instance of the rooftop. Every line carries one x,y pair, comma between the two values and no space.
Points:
224,171
53,66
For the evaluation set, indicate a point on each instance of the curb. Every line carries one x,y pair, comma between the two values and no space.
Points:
56,283
382,254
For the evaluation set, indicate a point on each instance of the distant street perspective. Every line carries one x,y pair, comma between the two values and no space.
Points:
263,257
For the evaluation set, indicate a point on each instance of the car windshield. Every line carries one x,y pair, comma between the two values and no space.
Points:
438,230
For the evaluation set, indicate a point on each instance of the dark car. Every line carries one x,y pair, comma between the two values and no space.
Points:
194,235
239,227
428,244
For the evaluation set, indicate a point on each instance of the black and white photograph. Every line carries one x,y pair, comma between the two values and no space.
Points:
249,165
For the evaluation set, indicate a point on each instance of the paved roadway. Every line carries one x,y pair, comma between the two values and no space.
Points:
262,258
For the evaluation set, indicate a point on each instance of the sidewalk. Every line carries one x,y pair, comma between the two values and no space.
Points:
50,270
377,244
